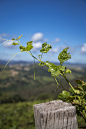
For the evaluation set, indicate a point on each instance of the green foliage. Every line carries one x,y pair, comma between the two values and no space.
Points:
14,43
78,97
11,99
17,116
28,48
45,47
43,96
64,56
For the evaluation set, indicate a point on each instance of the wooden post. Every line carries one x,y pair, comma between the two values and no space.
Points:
55,115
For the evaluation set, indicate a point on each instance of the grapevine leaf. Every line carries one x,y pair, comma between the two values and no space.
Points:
29,47
64,56
81,84
13,39
53,72
64,95
78,81
22,48
19,37
84,96
29,43
84,113
41,64
45,47
14,43
62,68
76,102
68,71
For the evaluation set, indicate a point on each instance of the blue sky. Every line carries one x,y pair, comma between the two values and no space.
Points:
60,23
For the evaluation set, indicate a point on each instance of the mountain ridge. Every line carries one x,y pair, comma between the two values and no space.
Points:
68,64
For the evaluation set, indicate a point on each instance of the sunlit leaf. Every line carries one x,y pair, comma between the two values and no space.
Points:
64,56
14,43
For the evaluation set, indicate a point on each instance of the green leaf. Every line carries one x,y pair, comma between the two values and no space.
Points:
45,47
64,95
48,64
84,113
19,37
64,56
62,68
41,64
84,96
14,43
84,87
13,39
68,71
22,48
29,43
79,89
29,47
83,105
53,72
78,81
76,102
71,90
81,84
70,98
54,69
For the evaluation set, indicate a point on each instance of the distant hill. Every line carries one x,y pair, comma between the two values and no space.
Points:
67,64
4,62
19,80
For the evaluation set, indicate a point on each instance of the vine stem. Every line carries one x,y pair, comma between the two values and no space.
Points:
61,84
55,78
34,57
82,114
68,82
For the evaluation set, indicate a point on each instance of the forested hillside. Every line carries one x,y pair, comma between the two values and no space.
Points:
19,80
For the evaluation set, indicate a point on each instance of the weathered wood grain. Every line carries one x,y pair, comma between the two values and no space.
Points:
55,115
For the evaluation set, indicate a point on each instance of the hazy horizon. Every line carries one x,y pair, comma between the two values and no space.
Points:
66,62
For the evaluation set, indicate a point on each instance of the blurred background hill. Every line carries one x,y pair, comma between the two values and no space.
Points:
18,78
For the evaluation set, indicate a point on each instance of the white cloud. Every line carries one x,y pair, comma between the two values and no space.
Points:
57,40
54,50
45,40
4,35
8,43
37,45
4,42
71,49
38,40
39,37
83,48
36,37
